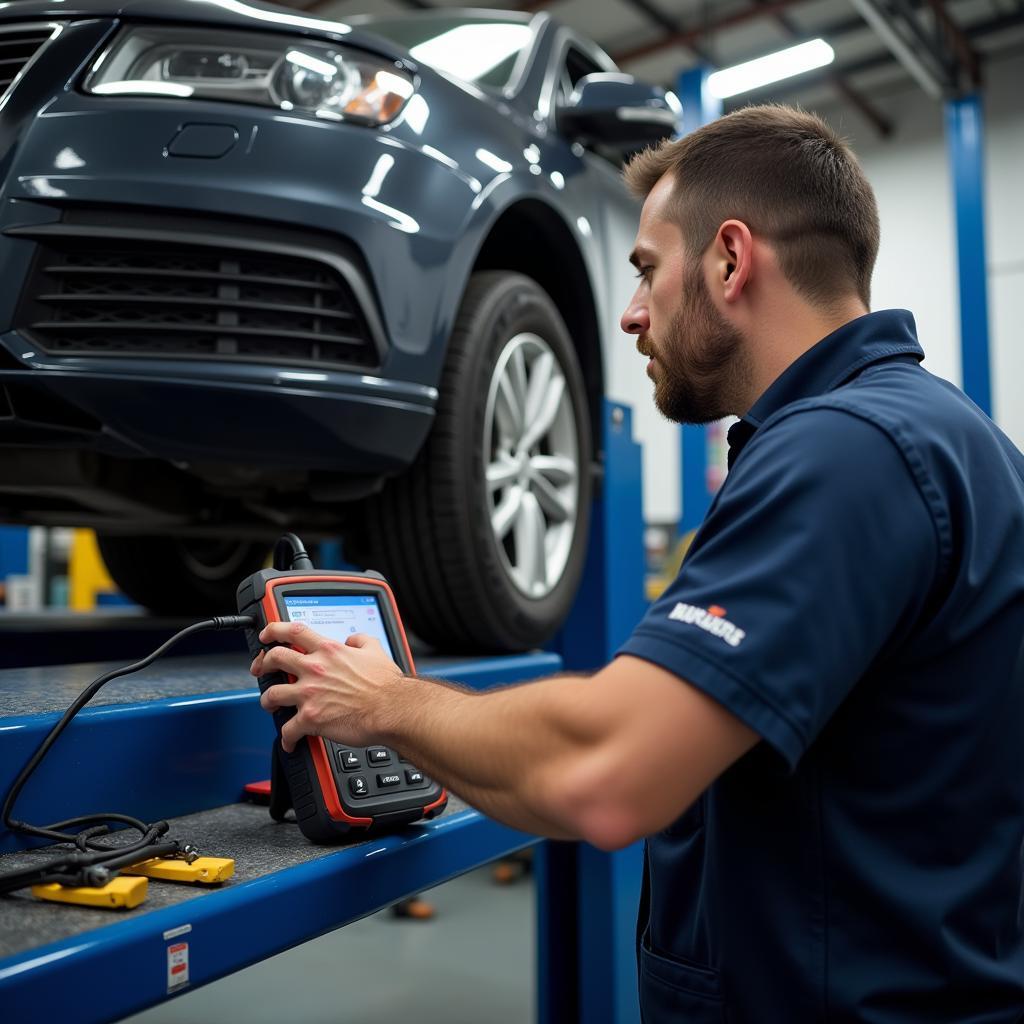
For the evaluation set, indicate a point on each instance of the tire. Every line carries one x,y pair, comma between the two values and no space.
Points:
178,576
433,531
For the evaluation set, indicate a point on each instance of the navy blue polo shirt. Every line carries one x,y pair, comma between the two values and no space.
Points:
856,596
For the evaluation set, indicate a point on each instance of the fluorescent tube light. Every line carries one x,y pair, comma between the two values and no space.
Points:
771,68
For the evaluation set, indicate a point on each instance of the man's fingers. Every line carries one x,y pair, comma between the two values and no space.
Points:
291,732
362,640
297,634
282,659
280,696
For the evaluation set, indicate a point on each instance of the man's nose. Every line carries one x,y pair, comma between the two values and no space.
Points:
635,320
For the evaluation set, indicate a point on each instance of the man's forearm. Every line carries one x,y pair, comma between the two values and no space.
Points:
564,757
501,750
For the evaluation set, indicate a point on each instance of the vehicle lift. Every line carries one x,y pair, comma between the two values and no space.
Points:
181,742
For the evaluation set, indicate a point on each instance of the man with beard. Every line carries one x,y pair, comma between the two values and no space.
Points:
820,725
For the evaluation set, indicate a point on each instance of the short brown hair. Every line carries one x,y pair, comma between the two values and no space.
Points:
789,177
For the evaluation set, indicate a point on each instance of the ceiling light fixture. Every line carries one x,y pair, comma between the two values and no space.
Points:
773,67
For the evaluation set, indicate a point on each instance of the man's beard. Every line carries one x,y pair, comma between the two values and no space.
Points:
700,362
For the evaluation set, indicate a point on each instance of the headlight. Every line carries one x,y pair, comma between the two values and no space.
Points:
325,79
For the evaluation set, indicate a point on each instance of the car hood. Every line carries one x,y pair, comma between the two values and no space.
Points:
227,13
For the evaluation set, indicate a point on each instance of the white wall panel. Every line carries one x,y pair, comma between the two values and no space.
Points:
917,261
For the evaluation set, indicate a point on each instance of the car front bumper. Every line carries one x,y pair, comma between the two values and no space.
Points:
242,414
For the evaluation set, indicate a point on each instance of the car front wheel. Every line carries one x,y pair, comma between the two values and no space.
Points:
484,538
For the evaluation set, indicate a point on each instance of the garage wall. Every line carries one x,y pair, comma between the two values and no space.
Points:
917,260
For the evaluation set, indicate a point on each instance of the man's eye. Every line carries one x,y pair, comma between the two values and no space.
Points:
644,272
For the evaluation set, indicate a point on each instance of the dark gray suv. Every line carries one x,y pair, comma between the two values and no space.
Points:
264,272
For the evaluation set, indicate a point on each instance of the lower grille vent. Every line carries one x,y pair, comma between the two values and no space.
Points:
116,296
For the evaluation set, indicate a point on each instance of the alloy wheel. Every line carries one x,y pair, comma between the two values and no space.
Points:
532,464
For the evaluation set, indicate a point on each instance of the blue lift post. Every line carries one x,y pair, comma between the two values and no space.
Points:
964,122
587,899
699,108
13,551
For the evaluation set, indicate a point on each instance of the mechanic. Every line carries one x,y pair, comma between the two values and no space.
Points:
820,725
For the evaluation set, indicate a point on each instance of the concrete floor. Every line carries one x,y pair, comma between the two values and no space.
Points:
473,963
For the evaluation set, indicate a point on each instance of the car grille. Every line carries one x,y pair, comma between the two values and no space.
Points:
17,47
117,297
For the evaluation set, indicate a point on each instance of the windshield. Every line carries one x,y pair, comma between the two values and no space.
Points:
479,50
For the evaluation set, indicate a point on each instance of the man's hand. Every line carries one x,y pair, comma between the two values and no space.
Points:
341,691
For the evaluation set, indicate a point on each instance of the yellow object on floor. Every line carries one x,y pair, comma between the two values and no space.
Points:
87,575
202,871
119,893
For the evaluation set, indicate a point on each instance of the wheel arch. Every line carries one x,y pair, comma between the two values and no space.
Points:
531,238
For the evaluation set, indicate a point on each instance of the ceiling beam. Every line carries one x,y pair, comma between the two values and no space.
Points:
685,37
919,61
669,24
966,55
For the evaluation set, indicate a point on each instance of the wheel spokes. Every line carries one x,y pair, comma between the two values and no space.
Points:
518,378
508,411
540,380
507,511
502,472
556,469
529,537
549,404
559,507
529,467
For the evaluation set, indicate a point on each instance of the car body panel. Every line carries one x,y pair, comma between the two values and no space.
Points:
415,200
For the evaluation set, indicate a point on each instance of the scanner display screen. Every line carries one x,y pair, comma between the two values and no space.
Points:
338,617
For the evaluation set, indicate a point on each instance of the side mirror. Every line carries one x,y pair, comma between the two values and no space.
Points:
617,110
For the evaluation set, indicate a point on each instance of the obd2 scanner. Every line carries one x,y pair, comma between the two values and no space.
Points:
337,791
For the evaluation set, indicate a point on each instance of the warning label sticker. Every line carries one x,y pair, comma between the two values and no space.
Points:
177,966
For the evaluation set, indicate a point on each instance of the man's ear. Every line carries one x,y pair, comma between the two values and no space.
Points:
733,259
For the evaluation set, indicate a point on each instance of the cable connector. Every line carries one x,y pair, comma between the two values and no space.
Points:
290,555
234,622
95,876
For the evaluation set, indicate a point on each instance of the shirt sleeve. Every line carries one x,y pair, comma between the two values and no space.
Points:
817,553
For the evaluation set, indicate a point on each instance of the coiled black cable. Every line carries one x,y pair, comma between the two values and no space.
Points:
92,859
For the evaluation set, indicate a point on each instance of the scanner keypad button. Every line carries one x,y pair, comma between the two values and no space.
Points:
413,776
357,786
348,761
385,781
378,755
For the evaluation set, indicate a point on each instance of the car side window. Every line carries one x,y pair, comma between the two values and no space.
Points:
575,65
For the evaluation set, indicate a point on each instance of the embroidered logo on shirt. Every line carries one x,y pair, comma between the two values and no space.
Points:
712,620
